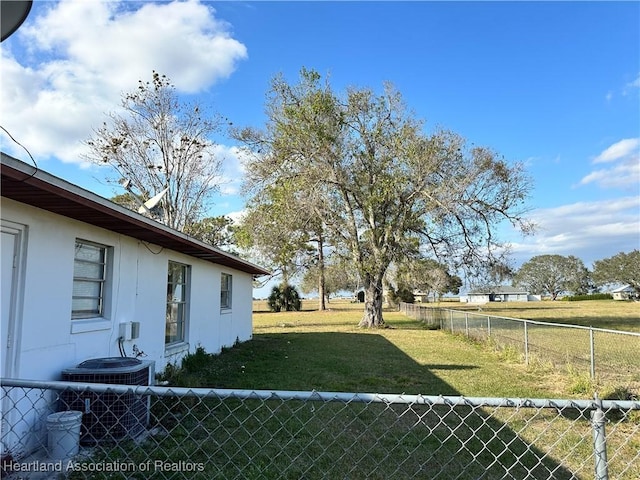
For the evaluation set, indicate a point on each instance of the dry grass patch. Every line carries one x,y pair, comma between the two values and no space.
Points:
609,314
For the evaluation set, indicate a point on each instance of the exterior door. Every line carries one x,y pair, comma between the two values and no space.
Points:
11,263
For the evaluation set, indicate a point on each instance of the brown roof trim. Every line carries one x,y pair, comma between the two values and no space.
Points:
24,183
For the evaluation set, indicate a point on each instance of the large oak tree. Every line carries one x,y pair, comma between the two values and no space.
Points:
387,189
553,274
620,268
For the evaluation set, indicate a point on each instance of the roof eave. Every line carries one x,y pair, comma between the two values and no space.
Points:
27,184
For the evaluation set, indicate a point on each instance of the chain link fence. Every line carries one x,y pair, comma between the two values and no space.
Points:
214,433
610,356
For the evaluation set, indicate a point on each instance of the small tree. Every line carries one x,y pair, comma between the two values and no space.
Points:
157,144
216,231
429,276
284,298
401,294
337,276
126,200
269,232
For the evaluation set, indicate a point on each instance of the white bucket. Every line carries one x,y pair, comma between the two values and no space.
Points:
64,434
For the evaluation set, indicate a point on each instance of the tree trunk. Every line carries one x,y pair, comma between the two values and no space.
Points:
321,279
372,317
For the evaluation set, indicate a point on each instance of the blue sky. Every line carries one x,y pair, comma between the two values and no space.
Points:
555,85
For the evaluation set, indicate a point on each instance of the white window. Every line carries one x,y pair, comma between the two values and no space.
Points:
225,290
177,302
89,278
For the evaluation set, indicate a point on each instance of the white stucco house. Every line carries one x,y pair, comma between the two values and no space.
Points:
625,292
499,294
83,277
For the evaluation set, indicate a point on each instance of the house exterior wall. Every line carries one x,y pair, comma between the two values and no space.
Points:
515,297
623,293
48,340
500,297
477,298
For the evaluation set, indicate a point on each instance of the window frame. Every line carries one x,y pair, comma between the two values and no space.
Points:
177,311
102,280
226,287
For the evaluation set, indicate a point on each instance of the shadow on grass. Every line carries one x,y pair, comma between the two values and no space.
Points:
293,439
331,439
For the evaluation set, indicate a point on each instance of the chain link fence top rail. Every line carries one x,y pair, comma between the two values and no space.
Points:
220,433
611,356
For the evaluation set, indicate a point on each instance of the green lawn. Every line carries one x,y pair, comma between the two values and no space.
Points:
559,347
443,362
326,351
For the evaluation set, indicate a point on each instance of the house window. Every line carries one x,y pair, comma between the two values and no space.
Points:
177,296
89,277
225,291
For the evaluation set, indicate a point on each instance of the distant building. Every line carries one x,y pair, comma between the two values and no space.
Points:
421,297
625,292
499,294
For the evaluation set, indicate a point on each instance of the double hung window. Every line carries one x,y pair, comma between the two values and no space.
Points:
89,279
225,291
177,302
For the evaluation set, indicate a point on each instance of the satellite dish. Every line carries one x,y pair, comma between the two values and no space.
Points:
152,202
126,183
12,14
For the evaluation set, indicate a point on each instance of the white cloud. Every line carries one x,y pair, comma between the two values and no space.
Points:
80,56
629,87
588,230
238,216
625,169
618,150
233,169
626,174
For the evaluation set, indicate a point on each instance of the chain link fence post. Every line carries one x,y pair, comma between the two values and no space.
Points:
592,354
598,420
466,324
614,361
526,343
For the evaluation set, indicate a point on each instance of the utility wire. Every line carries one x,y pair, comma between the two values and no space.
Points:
26,150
